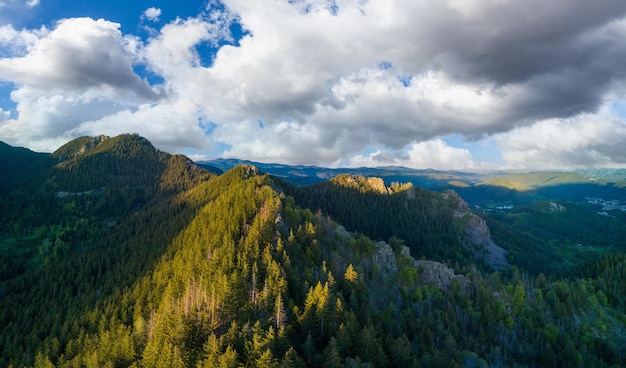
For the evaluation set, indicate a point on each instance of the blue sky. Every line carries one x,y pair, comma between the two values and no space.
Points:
127,13
456,84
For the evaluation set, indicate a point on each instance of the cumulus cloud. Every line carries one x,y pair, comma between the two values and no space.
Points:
475,68
4,115
433,154
583,141
310,82
18,43
81,70
152,14
169,126
173,54
79,55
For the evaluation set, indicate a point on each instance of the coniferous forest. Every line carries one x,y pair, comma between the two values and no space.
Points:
115,254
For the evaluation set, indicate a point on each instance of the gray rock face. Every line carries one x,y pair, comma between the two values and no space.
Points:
94,142
340,230
477,233
385,258
431,272
462,208
477,230
435,273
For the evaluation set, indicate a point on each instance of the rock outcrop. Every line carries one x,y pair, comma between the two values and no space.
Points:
477,234
430,272
91,144
436,273
385,258
377,185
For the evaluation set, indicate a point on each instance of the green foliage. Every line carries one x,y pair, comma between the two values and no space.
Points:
423,219
17,163
549,236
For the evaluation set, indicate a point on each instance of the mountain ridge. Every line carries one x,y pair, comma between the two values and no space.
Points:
15,161
531,178
486,190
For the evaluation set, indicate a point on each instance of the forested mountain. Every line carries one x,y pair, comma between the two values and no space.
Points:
423,219
15,161
483,189
115,255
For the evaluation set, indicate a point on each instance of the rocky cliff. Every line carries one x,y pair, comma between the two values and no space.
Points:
477,235
430,272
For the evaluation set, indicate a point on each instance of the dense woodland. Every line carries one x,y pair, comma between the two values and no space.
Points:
114,254
421,218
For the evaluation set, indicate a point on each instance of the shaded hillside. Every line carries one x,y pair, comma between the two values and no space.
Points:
15,163
558,235
75,195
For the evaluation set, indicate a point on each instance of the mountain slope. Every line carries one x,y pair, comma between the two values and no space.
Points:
14,161
241,285
76,194
424,220
62,254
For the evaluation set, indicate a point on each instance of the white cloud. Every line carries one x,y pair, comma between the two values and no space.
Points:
172,53
433,154
582,141
32,3
152,14
81,70
18,43
79,55
318,72
169,126
4,115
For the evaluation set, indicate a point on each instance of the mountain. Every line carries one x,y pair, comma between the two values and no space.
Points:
423,219
14,161
306,175
487,190
116,254
77,193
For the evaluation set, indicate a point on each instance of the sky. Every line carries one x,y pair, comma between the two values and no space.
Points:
451,84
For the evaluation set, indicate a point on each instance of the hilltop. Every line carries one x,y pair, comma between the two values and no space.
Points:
14,161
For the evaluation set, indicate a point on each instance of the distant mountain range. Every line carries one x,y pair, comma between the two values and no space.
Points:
480,189
306,175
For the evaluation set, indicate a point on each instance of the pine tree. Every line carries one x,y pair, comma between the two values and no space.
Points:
281,315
